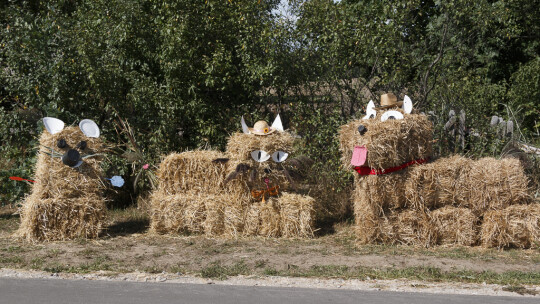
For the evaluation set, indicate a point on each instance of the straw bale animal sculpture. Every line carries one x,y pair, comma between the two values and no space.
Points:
400,196
66,202
248,190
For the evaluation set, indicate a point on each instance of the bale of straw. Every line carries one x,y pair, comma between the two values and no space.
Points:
381,192
412,227
481,185
455,226
297,215
495,184
270,218
65,203
192,171
514,226
178,213
252,223
389,143
214,224
437,184
53,219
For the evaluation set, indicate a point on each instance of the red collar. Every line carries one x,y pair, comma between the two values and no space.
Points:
371,171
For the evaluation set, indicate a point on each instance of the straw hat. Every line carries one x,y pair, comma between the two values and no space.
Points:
261,127
389,100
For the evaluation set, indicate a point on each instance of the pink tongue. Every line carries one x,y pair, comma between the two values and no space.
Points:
358,156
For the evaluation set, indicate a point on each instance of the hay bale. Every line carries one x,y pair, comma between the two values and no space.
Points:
455,226
493,184
412,227
381,192
270,218
389,143
437,184
52,219
180,213
252,221
369,223
514,226
64,203
297,215
192,170
481,185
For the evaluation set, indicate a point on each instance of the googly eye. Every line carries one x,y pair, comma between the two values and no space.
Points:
391,115
61,143
260,156
279,156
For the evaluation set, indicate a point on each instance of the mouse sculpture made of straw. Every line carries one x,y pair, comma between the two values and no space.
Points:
66,201
402,196
248,190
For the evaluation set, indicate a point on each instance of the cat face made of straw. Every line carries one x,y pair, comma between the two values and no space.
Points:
261,158
71,145
386,138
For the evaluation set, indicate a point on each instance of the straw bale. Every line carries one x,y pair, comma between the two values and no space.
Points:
481,185
177,213
270,218
381,192
493,184
192,170
214,224
514,226
389,143
369,223
240,145
437,184
53,219
252,221
297,215
412,227
455,226
75,193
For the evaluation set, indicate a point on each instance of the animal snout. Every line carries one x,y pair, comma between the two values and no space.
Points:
362,129
72,158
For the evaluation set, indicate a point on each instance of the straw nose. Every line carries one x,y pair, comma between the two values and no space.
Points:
72,158
362,129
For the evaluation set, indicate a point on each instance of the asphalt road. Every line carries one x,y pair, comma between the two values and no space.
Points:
57,291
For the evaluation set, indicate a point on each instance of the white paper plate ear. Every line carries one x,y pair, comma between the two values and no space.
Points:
89,128
53,125
244,126
277,124
407,105
370,110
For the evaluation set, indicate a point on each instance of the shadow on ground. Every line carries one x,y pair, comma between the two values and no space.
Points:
127,227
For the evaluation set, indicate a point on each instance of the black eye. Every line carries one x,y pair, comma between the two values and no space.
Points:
82,145
362,130
371,116
61,143
391,117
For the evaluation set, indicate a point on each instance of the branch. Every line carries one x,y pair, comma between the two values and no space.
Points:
439,56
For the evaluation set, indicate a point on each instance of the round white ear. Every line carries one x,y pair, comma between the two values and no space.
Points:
53,125
89,128
391,115
407,105
244,126
277,124
370,110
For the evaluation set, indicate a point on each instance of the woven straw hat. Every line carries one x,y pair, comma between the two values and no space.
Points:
261,127
389,100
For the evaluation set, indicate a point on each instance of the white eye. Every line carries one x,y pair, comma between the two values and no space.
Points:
370,111
260,156
279,156
391,115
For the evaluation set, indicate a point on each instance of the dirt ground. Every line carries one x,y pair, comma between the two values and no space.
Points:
127,247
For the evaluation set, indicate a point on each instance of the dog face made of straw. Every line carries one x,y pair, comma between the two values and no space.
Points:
385,139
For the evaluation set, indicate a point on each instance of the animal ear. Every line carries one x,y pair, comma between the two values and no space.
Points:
277,124
244,126
53,125
407,105
370,110
89,128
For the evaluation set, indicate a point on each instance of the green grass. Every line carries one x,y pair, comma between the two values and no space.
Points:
218,271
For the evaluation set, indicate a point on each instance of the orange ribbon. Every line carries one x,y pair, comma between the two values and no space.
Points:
261,193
